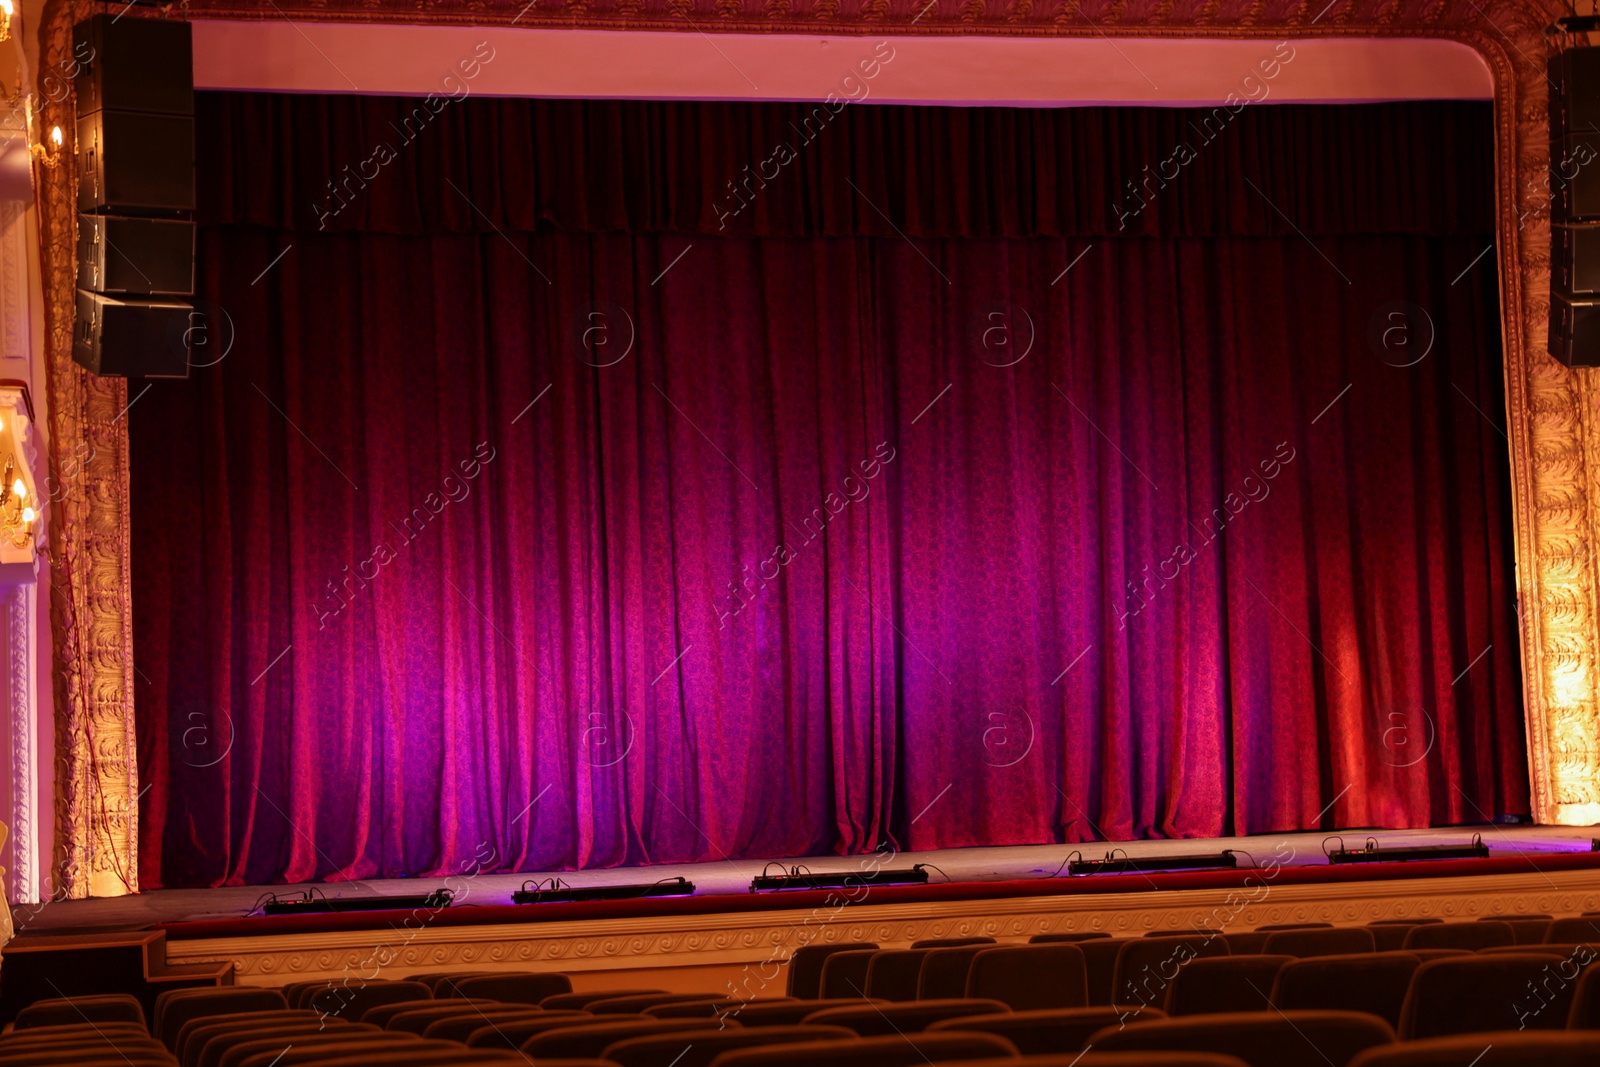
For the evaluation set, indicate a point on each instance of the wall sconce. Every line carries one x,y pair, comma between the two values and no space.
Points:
6,10
16,512
50,156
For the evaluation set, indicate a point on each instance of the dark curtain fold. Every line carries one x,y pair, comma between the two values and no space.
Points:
400,165
565,549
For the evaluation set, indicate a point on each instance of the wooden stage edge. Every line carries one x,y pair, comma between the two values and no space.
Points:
742,952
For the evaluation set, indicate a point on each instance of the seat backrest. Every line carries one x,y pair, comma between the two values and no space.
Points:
458,1028
697,1048
1330,941
1246,942
944,972
200,1030
67,1011
1261,1039
1539,1048
1100,962
1499,991
1374,983
896,1050
352,1000
177,1006
1147,965
951,942
263,1049
593,1038
892,974
844,974
805,967
705,1007
526,988
1585,1011
1037,1033
584,999
790,1012
1069,938
1390,934
210,1048
635,1005
1470,936
383,1015
878,1019
1224,984
1574,930
1027,977
514,1033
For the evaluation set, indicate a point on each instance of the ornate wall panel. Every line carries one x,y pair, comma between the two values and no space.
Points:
1553,415
97,825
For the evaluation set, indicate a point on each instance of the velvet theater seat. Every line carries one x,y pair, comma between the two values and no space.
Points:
1261,1039
1224,984
1375,983
1028,977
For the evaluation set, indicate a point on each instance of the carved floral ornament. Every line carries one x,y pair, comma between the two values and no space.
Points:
1553,416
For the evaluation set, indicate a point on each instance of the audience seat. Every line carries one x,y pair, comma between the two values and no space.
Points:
1121,1059
432,979
1526,929
593,1039
1224,984
1051,939
297,992
263,1051
384,1016
68,1011
582,1000
394,1049
175,1007
1390,934
515,1034
710,1007
792,1012
874,1020
1051,1030
805,967
1470,936
1029,977
1500,1049
1261,1039
1331,941
893,973
513,988
1374,983
1100,963
1574,931
944,972
1469,994
1585,1011
193,1034
844,974
896,1050
697,1048
951,942
1146,965
1246,942
458,1028
636,1004
214,1049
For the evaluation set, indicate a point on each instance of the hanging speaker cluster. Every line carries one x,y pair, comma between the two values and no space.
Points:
1575,206
136,196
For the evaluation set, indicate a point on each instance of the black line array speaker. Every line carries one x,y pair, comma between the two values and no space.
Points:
136,195
1575,206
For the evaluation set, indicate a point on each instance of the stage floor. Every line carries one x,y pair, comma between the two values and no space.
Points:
1000,863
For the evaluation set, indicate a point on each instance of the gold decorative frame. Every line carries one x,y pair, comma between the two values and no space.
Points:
1553,414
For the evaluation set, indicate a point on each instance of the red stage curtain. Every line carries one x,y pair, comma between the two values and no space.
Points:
861,538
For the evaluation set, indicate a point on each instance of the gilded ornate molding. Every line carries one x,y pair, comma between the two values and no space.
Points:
1553,422
96,838
739,941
